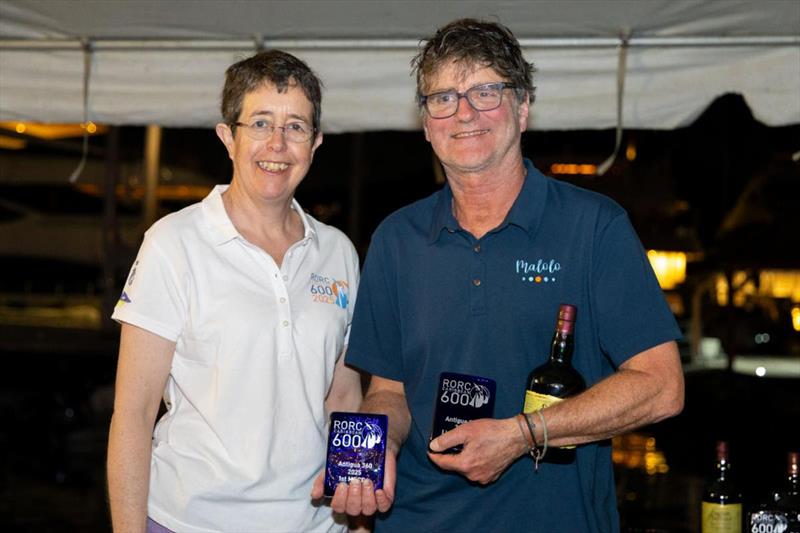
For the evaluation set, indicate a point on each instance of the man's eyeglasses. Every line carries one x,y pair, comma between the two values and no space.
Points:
481,97
260,130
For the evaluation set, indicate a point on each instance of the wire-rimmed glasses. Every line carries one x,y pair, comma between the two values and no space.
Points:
260,129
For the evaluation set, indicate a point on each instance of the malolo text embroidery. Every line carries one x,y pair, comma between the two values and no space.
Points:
538,271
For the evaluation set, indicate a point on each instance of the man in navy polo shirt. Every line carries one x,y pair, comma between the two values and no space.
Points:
469,280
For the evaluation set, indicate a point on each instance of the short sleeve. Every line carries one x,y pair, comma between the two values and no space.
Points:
629,305
375,337
154,296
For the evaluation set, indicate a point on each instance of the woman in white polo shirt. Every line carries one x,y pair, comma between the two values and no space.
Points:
236,311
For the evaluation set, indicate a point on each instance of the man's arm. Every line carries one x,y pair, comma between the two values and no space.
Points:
142,370
388,397
345,392
646,388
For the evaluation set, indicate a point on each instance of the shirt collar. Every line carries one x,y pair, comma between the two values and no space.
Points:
528,208
309,224
526,211
222,229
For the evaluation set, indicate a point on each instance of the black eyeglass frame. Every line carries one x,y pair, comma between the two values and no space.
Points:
502,85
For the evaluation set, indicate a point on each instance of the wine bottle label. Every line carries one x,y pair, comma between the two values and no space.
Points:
718,518
767,521
356,449
535,401
459,399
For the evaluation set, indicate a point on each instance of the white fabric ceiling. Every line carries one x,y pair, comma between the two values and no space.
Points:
162,61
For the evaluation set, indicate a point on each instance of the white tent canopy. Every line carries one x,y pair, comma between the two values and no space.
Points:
162,61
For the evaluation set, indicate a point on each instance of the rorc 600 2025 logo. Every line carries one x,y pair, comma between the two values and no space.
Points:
328,290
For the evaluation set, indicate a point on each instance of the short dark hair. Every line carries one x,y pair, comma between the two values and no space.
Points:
270,66
475,42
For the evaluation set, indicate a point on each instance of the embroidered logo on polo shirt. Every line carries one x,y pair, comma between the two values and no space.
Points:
124,298
328,290
538,271
132,275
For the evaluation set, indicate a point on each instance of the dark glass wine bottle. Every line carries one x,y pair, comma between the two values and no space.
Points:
781,512
721,509
556,379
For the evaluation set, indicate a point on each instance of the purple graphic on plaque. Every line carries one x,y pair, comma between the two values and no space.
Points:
356,449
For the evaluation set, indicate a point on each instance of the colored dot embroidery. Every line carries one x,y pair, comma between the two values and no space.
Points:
538,279
530,278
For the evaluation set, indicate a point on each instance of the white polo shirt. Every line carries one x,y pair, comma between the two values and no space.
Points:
245,431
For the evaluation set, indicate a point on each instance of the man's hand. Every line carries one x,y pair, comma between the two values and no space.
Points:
360,497
489,447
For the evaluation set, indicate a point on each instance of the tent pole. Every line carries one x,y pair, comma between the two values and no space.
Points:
151,164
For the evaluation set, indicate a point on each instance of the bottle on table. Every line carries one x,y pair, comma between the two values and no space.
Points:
780,513
556,379
721,508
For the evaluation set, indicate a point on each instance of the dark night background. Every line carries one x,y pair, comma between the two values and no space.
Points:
724,188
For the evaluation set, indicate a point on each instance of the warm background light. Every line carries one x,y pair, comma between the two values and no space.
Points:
12,143
638,451
630,151
53,131
780,284
573,169
670,267
771,283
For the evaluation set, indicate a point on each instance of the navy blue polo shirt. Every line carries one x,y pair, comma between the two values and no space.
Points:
433,299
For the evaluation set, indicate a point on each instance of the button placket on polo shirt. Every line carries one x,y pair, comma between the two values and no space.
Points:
283,318
283,279
477,289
